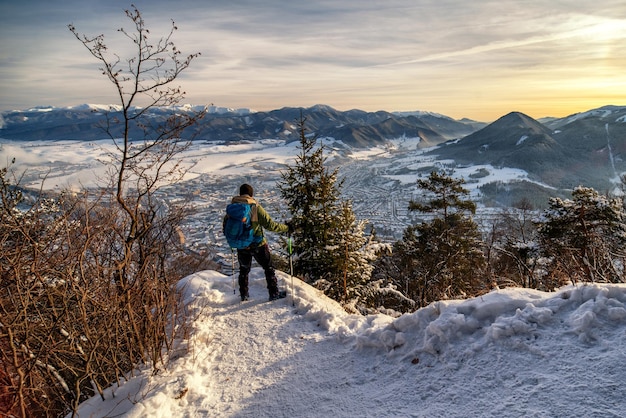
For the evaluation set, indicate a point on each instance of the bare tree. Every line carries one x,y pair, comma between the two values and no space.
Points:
144,163
88,280
148,157
512,251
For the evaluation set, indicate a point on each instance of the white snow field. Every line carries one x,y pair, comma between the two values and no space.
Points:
510,353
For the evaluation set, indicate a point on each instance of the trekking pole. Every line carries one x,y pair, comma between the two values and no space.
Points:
290,249
232,254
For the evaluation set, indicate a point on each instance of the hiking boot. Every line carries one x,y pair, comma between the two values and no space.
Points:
245,297
280,295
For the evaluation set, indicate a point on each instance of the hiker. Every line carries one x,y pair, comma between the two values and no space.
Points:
259,248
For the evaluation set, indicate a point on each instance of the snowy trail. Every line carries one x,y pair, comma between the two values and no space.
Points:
266,359
510,353
483,359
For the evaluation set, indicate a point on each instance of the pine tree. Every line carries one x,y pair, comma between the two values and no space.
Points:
329,249
352,259
584,237
312,194
442,258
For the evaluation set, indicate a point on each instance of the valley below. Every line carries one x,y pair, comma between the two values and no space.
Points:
380,181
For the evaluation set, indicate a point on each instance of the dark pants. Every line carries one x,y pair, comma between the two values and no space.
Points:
262,256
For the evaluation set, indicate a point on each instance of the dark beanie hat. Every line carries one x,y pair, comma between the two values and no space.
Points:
246,189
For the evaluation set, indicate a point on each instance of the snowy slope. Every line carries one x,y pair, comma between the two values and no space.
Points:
513,352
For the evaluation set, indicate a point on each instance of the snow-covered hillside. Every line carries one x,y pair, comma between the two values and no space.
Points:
513,353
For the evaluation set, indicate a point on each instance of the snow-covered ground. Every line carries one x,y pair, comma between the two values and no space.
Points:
510,353
56,165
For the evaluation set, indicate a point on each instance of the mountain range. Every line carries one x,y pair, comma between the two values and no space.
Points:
587,148
353,127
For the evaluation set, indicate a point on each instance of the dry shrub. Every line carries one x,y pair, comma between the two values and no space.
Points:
69,327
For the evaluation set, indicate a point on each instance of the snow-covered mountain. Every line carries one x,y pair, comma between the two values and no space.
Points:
587,148
354,127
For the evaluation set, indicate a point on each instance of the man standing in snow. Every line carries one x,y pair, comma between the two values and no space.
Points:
259,249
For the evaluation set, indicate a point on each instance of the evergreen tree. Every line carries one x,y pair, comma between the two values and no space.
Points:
584,237
447,196
312,194
352,259
442,258
329,240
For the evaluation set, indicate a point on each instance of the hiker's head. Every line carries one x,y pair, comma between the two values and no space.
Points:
246,189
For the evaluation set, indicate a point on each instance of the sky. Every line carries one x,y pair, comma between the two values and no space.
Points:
510,353
477,59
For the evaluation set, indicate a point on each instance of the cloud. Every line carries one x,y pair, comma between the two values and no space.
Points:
395,54
605,29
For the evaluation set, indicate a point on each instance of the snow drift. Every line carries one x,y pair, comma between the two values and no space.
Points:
512,352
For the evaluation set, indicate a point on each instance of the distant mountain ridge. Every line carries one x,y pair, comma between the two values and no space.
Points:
587,148
354,127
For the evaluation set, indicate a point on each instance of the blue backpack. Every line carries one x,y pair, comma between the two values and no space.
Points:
238,225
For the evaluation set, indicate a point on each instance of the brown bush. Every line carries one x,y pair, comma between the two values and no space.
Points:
68,328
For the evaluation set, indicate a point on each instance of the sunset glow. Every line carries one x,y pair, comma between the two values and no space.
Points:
478,59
